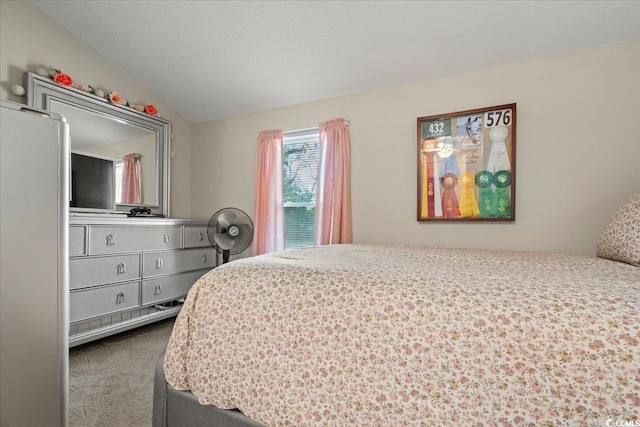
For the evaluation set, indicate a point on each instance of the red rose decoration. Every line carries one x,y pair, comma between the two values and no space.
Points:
63,79
150,109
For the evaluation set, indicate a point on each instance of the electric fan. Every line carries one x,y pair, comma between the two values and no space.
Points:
230,231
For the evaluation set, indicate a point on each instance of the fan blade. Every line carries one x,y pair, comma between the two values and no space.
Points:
246,231
244,239
225,219
223,241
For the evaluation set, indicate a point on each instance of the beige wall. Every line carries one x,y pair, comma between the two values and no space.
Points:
578,141
30,39
578,151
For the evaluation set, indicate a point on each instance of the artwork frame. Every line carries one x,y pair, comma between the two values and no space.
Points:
467,165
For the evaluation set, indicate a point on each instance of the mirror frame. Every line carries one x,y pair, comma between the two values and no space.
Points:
41,90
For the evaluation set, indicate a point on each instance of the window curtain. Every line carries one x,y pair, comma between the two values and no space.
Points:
269,213
333,201
131,191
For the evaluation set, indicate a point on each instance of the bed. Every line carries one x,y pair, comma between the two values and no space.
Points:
377,335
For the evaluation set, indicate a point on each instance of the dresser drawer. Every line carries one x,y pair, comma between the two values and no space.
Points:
196,237
85,272
157,263
77,241
94,302
169,287
109,240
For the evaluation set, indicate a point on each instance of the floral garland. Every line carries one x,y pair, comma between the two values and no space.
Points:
114,97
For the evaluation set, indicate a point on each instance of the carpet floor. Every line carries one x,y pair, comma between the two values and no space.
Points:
111,380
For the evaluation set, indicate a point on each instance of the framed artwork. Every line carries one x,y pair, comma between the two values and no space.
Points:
466,165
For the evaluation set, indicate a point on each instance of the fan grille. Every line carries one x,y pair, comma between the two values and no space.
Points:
230,229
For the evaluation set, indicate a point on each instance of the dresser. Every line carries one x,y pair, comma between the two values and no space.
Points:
128,272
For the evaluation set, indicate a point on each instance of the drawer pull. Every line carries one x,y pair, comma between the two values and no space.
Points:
157,290
111,240
201,236
167,238
122,268
120,297
204,258
159,263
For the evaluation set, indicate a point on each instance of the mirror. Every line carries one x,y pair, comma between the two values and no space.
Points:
104,135
99,128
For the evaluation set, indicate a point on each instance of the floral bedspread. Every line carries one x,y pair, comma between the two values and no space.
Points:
367,335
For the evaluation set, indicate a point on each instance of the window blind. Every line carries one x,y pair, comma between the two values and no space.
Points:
300,153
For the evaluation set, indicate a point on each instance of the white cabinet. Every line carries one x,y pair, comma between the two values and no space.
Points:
128,272
34,151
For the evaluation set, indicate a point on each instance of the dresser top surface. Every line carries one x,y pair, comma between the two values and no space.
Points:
125,220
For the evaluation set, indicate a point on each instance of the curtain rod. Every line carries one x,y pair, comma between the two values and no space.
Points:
346,122
289,132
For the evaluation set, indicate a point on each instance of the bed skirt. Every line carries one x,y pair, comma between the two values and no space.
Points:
175,408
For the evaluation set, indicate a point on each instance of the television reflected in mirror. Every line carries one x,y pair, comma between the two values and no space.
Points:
100,129
93,183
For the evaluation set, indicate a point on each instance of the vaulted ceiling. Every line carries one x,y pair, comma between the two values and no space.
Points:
214,59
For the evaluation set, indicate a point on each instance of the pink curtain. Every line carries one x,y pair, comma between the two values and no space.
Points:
333,201
131,191
269,214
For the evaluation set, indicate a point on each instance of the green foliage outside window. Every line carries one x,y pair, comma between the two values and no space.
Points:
299,180
296,162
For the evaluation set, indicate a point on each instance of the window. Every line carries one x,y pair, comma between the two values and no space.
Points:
300,154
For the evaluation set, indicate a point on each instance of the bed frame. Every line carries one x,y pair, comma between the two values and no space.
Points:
175,408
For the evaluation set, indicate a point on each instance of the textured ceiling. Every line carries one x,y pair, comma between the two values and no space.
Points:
213,59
